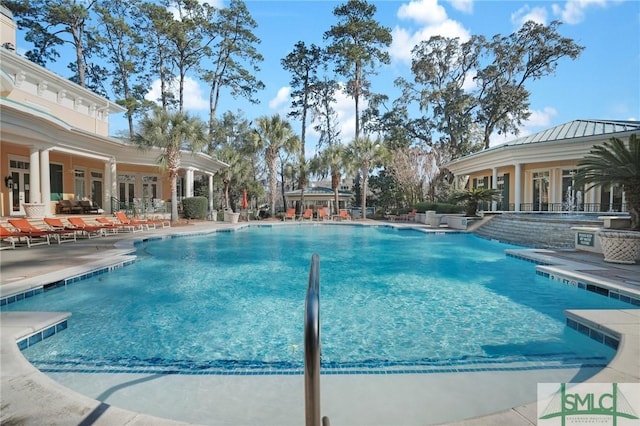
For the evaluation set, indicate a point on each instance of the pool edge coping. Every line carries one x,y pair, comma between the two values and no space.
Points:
21,376
18,373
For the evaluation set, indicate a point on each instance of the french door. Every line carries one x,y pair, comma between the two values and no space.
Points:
19,190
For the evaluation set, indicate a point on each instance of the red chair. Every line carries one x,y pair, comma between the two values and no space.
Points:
323,213
344,215
124,219
12,237
35,236
118,226
88,229
290,214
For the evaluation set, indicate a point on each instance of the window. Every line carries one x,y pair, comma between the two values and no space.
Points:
96,188
572,196
541,191
55,178
80,186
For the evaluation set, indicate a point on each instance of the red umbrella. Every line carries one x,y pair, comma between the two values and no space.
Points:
245,201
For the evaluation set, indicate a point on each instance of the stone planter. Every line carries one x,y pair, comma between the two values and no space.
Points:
231,217
457,222
34,210
620,246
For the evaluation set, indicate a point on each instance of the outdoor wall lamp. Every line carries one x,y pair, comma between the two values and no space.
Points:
8,181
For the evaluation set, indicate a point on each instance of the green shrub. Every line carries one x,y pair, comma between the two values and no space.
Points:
195,207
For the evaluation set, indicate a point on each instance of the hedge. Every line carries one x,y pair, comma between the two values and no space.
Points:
195,207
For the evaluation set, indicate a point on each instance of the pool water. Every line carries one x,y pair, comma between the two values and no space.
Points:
391,301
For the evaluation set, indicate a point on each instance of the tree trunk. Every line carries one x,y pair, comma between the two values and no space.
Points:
335,185
273,181
365,180
174,196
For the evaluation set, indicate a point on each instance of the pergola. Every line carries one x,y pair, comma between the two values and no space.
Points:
319,196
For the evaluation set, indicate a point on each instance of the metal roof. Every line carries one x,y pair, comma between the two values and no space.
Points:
577,129
318,193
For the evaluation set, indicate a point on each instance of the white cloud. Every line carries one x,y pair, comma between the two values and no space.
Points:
404,41
193,98
423,12
526,13
345,109
573,11
281,98
541,119
217,4
469,82
434,19
465,6
538,120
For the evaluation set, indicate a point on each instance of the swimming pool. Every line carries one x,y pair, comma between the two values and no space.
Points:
392,301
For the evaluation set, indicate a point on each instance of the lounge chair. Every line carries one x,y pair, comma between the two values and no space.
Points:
62,235
123,218
290,214
158,221
307,214
68,207
88,207
409,217
12,237
344,215
117,226
323,214
87,229
69,232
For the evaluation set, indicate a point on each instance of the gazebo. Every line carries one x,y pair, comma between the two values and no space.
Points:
319,196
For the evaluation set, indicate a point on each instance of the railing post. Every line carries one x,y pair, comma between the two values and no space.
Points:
312,345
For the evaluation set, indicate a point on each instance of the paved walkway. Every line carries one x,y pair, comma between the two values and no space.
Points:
32,398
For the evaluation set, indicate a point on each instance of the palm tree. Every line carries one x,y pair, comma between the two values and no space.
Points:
172,132
271,135
238,167
332,161
615,163
471,198
365,155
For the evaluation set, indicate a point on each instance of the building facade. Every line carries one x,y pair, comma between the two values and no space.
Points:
535,172
55,144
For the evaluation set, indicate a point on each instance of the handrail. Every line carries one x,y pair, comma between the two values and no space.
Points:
312,347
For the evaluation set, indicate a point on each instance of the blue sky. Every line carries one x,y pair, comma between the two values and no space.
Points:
603,83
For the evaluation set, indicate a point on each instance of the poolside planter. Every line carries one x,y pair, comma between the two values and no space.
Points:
34,210
457,222
620,246
231,217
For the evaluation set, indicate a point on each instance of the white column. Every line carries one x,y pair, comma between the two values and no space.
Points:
45,179
494,185
610,199
518,189
592,197
34,176
210,192
188,190
554,176
112,173
106,181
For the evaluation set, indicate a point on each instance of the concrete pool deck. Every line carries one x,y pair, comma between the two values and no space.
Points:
31,397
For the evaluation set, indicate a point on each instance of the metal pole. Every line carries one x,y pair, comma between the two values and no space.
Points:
312,345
